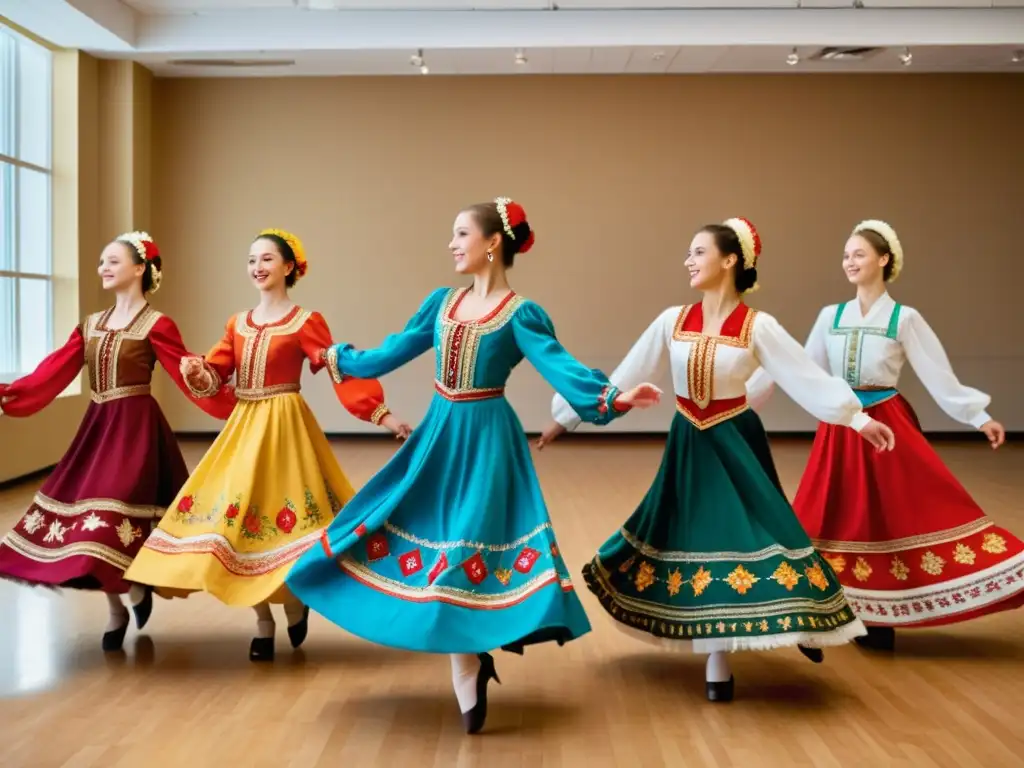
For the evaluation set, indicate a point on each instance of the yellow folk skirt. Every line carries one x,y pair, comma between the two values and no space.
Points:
259,498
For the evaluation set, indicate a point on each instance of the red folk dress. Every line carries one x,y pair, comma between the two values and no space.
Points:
92,515
910,545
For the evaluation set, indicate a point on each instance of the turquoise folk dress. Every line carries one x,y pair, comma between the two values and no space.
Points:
449,548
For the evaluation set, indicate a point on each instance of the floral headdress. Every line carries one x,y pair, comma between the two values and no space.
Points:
888,234
301,265
512,215
148,252
750,244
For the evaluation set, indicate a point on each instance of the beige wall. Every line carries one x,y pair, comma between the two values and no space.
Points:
616,173
100,177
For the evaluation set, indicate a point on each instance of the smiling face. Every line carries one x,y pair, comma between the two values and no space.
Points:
707,265
862,262
268,269
469,245
119,266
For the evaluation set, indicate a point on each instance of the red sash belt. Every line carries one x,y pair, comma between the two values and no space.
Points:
466,395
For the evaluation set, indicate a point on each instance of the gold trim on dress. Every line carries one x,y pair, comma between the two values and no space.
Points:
379,413
210,389
465,395
464,544
667,556
265,393
460,341
92,549
252,369
329,357
909,542
118,393
743,340
715,418
218,546
832,605
452,595
95,505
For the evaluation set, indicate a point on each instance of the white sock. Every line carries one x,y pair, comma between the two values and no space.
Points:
465,667
717,670
294,610
118,613
136,594
264,620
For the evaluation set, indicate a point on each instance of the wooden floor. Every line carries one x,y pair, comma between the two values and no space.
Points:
184,693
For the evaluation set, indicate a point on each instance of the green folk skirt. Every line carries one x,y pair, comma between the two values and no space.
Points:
714,555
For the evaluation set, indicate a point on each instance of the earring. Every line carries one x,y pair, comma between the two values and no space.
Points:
490,256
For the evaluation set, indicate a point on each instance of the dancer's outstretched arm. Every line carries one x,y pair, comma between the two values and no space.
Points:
827,398
34,391
363,398
588,392
172,355
395,351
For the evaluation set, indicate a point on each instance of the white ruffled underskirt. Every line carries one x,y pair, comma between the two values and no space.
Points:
840,636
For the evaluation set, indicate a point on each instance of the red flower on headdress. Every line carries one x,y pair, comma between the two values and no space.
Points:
757,237
152,252
516,216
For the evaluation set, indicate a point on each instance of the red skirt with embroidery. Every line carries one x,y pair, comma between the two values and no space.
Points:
910,546
92,515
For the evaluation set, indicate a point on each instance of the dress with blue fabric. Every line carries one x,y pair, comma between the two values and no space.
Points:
449,548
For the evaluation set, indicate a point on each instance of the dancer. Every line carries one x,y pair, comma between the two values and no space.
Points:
714,553
449,548
269,484
910,546
91,516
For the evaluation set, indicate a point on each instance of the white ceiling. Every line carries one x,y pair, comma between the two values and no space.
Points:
191,6
468,37
569,61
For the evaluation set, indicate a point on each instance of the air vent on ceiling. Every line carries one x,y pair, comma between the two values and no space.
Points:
844,54
232,62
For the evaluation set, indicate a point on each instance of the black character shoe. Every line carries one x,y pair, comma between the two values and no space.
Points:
721,691
297,632
261,649
144,609
114,639
814,654
878,639
475,718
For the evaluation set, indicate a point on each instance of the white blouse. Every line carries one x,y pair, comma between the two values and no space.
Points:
708,368
869,352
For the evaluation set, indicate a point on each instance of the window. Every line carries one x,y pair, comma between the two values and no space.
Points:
26,272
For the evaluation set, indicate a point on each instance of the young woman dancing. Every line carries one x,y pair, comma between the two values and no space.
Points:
123,469
911,547
714,555
450,548
269,484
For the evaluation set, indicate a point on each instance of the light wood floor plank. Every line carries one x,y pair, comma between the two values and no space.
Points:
185,694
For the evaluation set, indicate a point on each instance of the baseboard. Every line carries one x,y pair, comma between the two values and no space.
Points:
962,436
39,474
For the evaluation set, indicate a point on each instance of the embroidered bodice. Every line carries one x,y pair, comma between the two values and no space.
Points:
869,351
119,362
267,360
709,372
474,359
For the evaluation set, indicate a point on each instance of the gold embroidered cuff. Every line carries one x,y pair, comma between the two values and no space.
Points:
211,389
330,359
379,413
